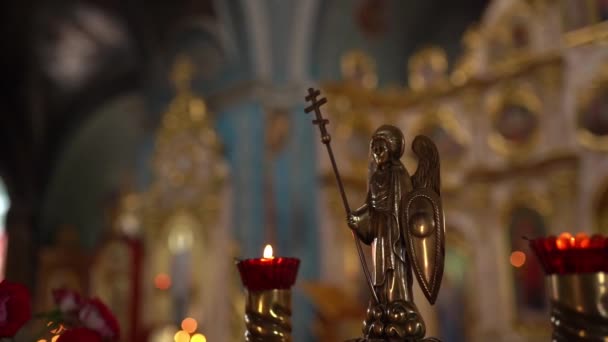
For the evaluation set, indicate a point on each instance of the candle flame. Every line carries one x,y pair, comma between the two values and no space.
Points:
268,252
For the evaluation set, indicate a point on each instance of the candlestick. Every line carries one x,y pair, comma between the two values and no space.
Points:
577,272
268,283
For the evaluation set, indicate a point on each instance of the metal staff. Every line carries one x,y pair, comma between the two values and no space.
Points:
315,105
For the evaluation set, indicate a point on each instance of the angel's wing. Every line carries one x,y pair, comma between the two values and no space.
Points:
427,174
424,218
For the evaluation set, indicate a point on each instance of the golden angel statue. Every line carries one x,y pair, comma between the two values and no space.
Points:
402,219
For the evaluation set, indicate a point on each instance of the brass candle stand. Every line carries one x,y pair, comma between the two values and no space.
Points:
579,306
268,315
577,274
268,283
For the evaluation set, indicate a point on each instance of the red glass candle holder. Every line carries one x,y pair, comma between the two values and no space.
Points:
567,254
268,273
577,269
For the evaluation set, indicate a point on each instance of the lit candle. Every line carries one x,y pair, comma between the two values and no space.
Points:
268,281
268,255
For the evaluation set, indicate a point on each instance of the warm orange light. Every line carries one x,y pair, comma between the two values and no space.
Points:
189,325
43,340
198,338
181,336
564,241
162,281
582,240
268,252
55,338
518,258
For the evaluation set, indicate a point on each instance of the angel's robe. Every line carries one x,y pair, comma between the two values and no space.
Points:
382,224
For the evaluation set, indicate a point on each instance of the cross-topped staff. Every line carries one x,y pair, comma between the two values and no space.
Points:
315,105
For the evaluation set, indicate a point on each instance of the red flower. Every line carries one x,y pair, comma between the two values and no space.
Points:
67,300
80,335
15,308
95,315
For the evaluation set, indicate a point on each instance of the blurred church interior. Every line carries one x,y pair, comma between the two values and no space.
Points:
145,145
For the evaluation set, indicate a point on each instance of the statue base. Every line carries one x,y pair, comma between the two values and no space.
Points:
398,321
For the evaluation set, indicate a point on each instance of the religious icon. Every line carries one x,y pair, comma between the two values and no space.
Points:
402,219
516,124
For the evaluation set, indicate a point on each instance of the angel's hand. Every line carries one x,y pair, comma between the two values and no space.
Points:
352,220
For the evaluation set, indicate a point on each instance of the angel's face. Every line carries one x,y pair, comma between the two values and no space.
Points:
380,151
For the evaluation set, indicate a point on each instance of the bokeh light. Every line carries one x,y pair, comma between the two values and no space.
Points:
198,338
189,325
518,258
564,241
181,336
162,281
582,240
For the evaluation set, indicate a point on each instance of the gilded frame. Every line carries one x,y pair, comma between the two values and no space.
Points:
523,197
585,97
522,95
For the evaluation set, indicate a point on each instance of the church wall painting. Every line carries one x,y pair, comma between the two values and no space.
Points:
526,218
